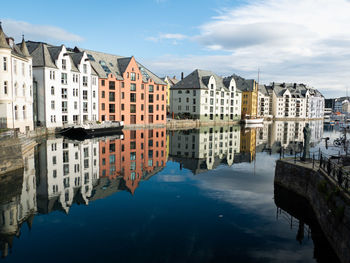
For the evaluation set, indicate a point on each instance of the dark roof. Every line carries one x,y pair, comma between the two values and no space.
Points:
24,48
199,79
3,42
105,64
244,84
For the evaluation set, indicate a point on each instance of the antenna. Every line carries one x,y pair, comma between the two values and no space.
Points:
258,75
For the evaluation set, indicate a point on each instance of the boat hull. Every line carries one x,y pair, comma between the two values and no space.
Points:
253,121
79,133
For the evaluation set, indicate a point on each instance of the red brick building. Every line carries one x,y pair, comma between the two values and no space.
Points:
127,90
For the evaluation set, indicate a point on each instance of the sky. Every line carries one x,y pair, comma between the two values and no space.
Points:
302,41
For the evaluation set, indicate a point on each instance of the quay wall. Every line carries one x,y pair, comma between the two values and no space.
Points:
330,204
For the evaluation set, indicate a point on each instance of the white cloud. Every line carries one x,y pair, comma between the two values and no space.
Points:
300,41
45,33
167,36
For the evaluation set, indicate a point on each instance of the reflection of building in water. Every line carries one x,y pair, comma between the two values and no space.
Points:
17,201
205,148
140,154
248,145
67,172
287,134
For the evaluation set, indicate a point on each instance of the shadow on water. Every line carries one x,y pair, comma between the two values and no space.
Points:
299,210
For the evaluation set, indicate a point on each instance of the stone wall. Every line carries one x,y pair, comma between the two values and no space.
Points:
330,204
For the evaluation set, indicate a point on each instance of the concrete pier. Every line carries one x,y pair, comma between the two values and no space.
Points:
331,204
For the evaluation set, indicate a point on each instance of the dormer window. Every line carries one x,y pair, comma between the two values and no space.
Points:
64,65
133,76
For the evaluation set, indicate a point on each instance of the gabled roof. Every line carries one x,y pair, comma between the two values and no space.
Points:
40,54
105,64
199,79
244,84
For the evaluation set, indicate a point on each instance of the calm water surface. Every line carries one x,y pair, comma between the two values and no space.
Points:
187,196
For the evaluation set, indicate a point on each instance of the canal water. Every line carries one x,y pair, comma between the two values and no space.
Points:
200,195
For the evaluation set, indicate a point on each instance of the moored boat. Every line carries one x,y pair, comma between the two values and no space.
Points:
91,130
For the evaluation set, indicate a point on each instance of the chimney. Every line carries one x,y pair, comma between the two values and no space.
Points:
182,75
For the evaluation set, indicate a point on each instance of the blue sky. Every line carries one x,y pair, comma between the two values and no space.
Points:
304,41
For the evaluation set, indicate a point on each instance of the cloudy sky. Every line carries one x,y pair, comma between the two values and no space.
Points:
304,41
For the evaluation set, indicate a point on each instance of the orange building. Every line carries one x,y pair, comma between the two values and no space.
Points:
127,90
139,155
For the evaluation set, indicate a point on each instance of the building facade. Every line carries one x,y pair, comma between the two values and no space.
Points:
249,89
16,85
67,85
170,83
205,96
291,100
128,91
264,101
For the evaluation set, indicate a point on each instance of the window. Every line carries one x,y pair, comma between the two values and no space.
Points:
122,106
64,93
85,107
150,88
112,85
24,90
64,65
24,112
85,69
111,96
64,78
5,63
103,94
150,108
133,87
102,106
142,96
142,107
64,119
103,82
132,97
150,98
15,66
85,81
122,95
111,108
133,76
23,69
94,94
132,108
52,104
5,87
75,105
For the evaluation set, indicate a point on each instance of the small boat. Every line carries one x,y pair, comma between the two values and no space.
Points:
253,125
92,130
252,120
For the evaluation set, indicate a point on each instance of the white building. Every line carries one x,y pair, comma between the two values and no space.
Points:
68,172
264,101
296,101
204,95
205,148
67,86
16,85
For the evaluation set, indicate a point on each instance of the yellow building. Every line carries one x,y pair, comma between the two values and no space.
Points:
249,88
171,82
248,143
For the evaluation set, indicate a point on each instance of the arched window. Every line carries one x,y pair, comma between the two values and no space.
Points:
52,90
24,90
24,113
5,87
16,113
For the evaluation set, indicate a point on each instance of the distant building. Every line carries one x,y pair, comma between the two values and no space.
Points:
291,100
67,85
264,101
204,95
16,85
345,106
329,103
